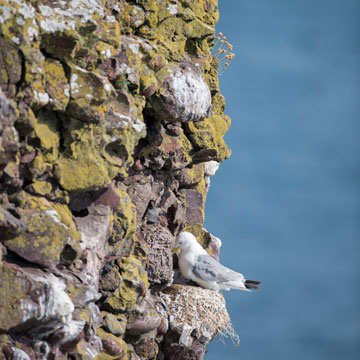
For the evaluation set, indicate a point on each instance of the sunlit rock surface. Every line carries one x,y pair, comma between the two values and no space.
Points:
111,123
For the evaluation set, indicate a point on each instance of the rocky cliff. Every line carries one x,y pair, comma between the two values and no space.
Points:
111,122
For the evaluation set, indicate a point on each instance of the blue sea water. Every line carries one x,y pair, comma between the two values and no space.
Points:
286,204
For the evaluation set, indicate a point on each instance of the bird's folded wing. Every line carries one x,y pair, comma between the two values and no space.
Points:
207,268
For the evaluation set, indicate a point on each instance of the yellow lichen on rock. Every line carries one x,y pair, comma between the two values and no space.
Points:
57,86
46,130
114,347
110,114
133,286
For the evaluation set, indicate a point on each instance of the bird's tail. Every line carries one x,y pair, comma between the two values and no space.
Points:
252,284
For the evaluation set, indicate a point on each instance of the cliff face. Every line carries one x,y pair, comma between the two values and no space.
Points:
111,122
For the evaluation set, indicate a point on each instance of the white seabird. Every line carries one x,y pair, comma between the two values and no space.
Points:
197,265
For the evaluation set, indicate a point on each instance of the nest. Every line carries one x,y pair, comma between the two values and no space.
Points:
199,313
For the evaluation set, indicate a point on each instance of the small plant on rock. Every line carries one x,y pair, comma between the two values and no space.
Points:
222,53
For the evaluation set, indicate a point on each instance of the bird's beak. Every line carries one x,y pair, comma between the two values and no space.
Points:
175,250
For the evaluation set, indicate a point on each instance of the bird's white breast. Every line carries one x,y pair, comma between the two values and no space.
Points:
186,260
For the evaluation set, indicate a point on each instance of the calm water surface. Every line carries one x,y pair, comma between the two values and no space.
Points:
286,205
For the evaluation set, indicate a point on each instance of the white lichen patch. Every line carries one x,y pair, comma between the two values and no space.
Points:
20,21
107,53
135,48
74,87
194,311
5,13
173,9
15,40
42,98
137,23
32,32
26,10
108,87
67,15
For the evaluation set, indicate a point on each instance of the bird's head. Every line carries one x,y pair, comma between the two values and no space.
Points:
184,241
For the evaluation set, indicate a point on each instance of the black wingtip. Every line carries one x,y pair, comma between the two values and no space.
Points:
251,284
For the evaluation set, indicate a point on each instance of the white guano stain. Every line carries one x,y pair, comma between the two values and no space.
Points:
18,354
55,217
190,95
108,87
53,307
138,125
73,84
56,304
211,167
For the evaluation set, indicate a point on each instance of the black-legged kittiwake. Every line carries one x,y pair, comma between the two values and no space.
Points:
197,265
